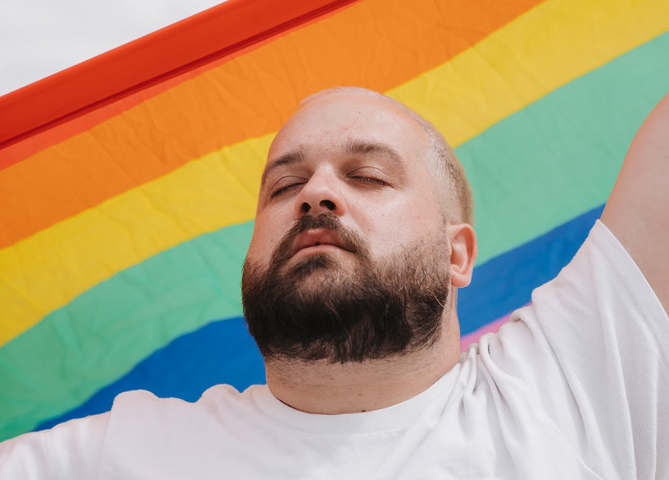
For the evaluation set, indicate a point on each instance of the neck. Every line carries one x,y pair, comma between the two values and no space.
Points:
326,388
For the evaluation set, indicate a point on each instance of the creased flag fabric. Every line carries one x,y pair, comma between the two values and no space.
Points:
127,203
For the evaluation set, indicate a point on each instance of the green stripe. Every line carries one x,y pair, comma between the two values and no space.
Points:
560,156
105,332
531,172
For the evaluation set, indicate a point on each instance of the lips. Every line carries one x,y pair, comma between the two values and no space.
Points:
312,238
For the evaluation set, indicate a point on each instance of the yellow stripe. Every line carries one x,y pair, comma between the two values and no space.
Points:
549,46
49,269
528,58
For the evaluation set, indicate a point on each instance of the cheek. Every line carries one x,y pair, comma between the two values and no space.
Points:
407,215
412,225
392,226
266,235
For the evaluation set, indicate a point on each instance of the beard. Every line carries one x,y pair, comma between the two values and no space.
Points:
319,310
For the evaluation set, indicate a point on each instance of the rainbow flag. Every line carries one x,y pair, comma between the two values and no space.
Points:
128,183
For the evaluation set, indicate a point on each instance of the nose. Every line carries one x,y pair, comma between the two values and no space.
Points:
321,194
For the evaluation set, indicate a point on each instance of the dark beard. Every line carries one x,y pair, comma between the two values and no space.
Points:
371,313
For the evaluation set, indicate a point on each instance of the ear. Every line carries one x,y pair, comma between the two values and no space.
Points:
463,253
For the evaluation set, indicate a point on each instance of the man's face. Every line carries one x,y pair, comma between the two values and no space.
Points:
357,157
347,204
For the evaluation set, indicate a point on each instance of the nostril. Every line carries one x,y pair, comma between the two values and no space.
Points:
305,207
328,204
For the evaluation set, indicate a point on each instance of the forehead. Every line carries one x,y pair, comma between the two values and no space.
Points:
327,124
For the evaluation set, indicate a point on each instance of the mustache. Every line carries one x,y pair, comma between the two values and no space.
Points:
326,221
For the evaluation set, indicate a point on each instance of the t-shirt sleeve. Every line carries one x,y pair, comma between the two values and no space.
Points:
69,451
590,351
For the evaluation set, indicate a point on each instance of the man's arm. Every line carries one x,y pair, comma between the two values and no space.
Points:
638,209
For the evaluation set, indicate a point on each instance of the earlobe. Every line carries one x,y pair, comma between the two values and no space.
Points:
463,253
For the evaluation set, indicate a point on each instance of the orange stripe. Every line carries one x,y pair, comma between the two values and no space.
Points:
19,151
371,44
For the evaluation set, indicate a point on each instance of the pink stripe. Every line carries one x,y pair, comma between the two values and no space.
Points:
487,328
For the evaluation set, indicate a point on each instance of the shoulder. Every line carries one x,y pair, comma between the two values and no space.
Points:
143,406
70,450
140,413
173,434
599,319
601,297
603,280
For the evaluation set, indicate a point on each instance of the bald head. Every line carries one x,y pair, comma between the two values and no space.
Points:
451,185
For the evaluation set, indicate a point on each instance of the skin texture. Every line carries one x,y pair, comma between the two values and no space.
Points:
638,209
387,195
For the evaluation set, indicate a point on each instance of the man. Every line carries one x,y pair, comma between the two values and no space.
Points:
363,235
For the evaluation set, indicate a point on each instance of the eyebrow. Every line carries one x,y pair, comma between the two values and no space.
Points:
296,156
365,147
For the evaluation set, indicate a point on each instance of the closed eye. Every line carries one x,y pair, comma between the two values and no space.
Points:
370,180
285,189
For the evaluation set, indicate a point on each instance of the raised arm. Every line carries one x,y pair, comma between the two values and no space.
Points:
638,209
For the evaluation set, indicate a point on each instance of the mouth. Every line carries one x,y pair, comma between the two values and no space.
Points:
317,240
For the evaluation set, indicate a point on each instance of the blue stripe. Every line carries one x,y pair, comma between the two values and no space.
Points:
224,352
220,352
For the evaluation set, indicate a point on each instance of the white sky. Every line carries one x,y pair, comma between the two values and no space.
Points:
42,37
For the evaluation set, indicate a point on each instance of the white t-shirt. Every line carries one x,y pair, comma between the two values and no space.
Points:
576,386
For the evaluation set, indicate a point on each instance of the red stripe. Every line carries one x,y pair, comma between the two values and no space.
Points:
211,35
